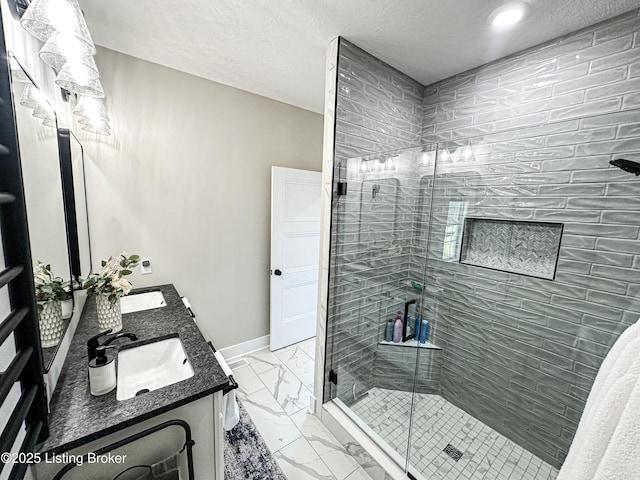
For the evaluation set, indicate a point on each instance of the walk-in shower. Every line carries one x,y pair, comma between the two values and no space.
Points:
522,263
508,230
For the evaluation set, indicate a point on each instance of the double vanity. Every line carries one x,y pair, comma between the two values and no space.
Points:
169,373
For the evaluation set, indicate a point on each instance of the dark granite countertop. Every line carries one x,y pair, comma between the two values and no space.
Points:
77,417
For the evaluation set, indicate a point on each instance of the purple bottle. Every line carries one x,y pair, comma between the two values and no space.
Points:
397,329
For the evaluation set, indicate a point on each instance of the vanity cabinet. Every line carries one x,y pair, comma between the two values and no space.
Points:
207,450
81,423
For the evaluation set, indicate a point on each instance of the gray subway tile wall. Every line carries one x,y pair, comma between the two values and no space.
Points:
518,353
379,109
525,366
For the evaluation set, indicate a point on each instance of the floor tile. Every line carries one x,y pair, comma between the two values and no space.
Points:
299,461
359,474
339,461
301,364
263,360
437,423
248,380
271,420
276,389
287,389
309,347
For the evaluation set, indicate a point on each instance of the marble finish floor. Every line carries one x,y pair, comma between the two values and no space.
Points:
486,455
275,388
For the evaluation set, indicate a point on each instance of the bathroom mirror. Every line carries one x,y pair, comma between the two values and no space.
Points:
74,187
43,186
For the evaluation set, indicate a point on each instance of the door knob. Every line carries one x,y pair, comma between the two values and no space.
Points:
278,272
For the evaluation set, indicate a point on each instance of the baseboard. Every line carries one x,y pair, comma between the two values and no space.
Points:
245,348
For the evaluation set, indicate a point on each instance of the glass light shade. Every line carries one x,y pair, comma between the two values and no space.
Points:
90,108
43,18
99,130
62,48
49,122
17,74
42,114
78,78
34,98
92,121
95,122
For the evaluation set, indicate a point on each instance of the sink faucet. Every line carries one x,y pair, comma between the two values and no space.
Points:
94,342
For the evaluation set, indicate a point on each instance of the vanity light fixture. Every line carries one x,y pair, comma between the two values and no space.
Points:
90,108
444,156
92,116
388,164
69,50
81,79
33,98
44,18
64,47
99,129
508,14
49,122
427,157
17,73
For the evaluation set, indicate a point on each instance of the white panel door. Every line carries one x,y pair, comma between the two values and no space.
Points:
295,253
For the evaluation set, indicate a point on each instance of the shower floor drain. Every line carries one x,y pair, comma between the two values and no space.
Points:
453,452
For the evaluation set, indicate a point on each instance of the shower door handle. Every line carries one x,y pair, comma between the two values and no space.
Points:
277,272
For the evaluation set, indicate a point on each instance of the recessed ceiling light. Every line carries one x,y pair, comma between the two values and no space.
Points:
508,15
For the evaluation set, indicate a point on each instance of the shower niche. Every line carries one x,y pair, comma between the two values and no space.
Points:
525,248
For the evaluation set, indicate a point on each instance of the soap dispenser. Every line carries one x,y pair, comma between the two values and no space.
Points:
102,372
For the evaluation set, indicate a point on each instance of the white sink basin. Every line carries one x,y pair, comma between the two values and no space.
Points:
151,366
142,301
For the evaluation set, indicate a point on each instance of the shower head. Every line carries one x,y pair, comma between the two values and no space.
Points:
627,165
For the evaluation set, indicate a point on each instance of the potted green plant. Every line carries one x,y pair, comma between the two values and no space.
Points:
50,292
108,286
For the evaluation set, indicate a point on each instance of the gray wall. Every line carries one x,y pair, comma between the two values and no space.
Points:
185,180
378,110
520,354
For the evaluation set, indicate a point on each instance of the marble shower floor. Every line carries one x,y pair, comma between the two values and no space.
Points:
486,455
275,388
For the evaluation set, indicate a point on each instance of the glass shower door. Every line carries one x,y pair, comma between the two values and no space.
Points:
532,274
376,293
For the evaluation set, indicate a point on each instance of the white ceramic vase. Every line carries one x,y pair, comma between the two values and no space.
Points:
109,315
51,323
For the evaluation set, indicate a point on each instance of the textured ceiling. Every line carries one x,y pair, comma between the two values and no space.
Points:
276,48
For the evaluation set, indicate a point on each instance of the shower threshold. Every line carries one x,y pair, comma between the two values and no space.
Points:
441,428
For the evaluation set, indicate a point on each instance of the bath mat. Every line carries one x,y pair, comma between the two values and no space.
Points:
246,456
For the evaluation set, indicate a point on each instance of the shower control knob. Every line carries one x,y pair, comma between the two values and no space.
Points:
278,272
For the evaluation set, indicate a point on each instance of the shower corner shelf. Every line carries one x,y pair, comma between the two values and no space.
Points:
411,344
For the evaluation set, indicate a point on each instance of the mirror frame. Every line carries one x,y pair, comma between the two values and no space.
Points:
69,199
49,356
69,195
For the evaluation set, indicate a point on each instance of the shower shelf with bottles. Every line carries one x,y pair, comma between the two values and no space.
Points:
413,343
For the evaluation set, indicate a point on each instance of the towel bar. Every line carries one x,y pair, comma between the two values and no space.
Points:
232,382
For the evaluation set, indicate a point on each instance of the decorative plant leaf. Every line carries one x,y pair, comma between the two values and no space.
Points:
109,280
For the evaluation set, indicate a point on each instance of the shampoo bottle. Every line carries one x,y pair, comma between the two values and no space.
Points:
416,333
397,330
424,331
388,331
